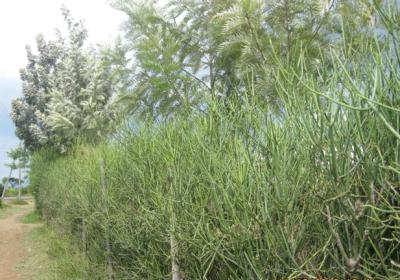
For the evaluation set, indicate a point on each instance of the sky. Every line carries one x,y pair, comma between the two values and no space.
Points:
20,22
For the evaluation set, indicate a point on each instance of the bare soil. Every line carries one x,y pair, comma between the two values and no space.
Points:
12,250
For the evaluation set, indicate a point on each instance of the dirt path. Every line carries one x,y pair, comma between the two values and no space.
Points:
12,251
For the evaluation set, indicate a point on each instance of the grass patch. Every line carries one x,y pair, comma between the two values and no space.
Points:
31,218
19,202
4,209
50,256
3,205
7,209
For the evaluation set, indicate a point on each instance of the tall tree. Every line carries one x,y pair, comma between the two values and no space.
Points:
175,65
13,155
22,163
29,111
187,50
67,92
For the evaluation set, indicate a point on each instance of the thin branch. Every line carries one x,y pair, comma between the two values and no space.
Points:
336,235
254,36
196,78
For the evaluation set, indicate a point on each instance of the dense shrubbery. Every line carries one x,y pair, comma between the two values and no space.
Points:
285,167
15,192
245,197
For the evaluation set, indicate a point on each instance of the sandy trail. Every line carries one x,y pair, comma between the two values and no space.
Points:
12,251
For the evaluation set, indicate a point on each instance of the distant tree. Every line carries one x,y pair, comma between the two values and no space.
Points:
22,163
13,155
1,191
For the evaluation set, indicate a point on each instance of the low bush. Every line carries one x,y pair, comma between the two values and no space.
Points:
19,202
15,192
31,218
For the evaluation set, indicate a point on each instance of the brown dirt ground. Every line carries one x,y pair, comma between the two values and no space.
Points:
12,251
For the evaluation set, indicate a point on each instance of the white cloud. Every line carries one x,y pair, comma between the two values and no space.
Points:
22,20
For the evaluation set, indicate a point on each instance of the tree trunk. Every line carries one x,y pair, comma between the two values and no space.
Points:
110,270
6,185
19,184
176,274
175,270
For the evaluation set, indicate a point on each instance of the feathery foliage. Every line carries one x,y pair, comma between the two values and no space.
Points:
67,92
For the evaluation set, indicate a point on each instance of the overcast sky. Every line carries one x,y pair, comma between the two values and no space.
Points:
20,22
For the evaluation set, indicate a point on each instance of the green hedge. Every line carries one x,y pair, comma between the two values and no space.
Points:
237,208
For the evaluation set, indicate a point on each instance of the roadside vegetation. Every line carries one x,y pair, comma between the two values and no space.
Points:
5,210
50,256
10,207
221,140
42,253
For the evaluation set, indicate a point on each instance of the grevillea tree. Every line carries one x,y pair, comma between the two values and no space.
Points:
67,92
